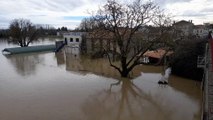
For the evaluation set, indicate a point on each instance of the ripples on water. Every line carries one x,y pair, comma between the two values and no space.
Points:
49,86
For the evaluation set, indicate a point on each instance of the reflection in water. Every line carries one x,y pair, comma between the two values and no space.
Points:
123,104
127,101
84,64
60,58
25,64
140,98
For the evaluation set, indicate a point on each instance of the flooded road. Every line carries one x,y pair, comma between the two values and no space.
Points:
49,86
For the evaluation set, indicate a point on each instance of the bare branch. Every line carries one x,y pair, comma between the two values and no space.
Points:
110,62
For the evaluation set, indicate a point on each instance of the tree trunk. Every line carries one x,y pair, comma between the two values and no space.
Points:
92,44
125,71
114,50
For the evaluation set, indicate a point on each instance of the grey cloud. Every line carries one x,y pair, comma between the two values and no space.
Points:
3,22
37,15
162,3
208,10
192,13
40,9
57,5
3,19
202,13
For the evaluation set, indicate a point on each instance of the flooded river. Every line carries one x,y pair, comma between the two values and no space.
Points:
49,86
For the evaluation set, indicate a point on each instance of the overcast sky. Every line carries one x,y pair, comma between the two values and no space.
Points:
70,12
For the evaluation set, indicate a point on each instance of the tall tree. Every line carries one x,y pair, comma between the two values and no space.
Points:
124,21
88,24
23,32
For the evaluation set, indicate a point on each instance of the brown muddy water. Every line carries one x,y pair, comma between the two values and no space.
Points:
49,86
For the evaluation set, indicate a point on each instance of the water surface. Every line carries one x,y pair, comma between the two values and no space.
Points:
49,86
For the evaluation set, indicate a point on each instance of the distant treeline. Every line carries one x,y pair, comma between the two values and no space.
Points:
5,33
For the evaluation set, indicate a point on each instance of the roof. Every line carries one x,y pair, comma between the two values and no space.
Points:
183,22
73,33
157,53
199,26
38,48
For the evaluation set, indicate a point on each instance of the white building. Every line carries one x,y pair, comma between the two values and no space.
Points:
201,30
187,28
73,41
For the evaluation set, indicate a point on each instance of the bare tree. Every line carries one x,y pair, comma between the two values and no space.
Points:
88,24
124,22
23,32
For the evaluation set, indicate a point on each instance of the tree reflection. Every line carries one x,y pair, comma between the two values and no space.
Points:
25,64
80,63
122,101
141,98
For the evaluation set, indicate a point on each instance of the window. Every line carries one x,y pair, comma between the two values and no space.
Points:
71,39
77,39
65,39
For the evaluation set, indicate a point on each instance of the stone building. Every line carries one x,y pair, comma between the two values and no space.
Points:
184,27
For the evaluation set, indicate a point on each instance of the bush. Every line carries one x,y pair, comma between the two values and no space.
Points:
184,61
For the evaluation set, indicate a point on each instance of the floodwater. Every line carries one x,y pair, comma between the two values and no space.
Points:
49,86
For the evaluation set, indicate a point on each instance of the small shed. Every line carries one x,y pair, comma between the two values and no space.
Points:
155,56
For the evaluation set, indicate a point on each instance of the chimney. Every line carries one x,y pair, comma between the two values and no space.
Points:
174,22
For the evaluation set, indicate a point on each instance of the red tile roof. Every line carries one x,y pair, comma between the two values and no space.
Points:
157,53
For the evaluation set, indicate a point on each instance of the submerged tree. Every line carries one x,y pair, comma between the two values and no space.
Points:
23,32
124,21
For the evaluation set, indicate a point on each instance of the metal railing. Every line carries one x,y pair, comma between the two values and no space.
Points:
201,61
205,82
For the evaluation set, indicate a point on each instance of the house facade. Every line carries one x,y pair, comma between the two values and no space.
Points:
73,41
184,27
200,31
187,28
